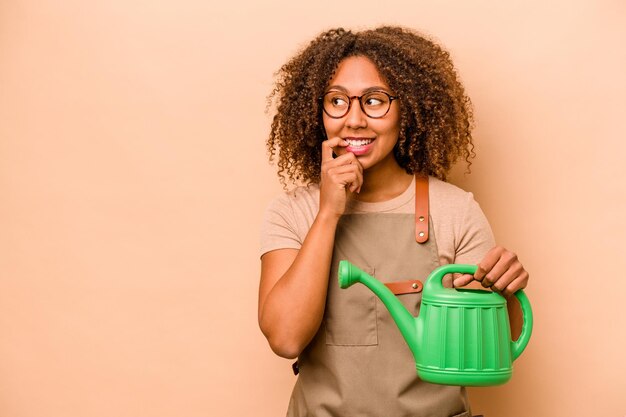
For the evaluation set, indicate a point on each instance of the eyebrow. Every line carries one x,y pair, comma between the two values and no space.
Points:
367,90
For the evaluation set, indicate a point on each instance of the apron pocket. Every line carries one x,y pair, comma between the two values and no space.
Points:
352,321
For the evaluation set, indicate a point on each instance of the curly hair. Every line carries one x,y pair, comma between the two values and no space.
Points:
435,113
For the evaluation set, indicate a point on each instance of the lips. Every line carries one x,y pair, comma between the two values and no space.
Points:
359,145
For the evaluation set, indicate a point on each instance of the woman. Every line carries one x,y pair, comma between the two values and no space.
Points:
372,122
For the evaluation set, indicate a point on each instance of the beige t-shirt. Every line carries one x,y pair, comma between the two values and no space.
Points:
461,230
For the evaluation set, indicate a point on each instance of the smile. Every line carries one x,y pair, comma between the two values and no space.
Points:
354,142
359,146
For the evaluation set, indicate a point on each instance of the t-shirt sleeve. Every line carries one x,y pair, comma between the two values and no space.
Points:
279,226
475,237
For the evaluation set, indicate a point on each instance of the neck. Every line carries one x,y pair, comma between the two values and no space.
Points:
383,182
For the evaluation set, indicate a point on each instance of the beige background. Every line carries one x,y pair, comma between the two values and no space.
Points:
133,178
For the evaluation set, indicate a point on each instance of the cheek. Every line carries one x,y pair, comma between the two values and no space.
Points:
390,130
331,126
327,125
394,128
394,120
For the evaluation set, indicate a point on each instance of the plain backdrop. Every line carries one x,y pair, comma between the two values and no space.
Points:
134,176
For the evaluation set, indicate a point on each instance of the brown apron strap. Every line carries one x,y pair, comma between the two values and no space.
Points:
405,287
421,208
421,234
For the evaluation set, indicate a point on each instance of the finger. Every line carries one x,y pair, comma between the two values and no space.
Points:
347,179
461,280
518,283
353,161
356,184
345,159
328,145
344,169
356,176
505,262
346,163
507,277
359,176
490,259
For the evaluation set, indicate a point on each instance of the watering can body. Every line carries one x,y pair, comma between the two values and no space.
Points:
461,336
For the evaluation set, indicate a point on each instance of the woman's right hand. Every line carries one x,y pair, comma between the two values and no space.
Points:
294,282
339,177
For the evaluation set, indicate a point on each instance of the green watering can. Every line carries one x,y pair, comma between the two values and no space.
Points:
461,336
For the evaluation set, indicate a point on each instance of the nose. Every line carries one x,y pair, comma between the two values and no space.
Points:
356,118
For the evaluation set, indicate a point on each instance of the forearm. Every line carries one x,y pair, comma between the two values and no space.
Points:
294,307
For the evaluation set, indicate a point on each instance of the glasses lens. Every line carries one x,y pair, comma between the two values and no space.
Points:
336,104
375,104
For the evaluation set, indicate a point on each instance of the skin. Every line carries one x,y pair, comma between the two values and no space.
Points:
293,286
385,178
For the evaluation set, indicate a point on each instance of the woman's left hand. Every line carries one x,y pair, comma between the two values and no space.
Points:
499,270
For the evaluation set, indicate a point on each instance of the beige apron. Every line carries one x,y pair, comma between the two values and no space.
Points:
358,364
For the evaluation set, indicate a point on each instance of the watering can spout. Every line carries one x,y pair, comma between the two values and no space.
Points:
350,274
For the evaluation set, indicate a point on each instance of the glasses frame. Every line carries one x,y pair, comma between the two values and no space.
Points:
350,98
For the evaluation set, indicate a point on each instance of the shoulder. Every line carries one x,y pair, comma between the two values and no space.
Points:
288,218
298,201
449,196
461,226
452,207
449,205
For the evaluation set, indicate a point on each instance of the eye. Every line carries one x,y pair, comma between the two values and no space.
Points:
375,100
338,101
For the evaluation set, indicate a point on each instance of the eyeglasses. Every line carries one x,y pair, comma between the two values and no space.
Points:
374,104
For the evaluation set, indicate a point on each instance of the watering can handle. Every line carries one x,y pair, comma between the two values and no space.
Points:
435,279
517,346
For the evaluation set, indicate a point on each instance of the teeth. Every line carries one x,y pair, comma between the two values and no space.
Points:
359,142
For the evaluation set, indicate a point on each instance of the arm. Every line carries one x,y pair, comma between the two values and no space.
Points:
502,272
498,269
294,282
292,293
